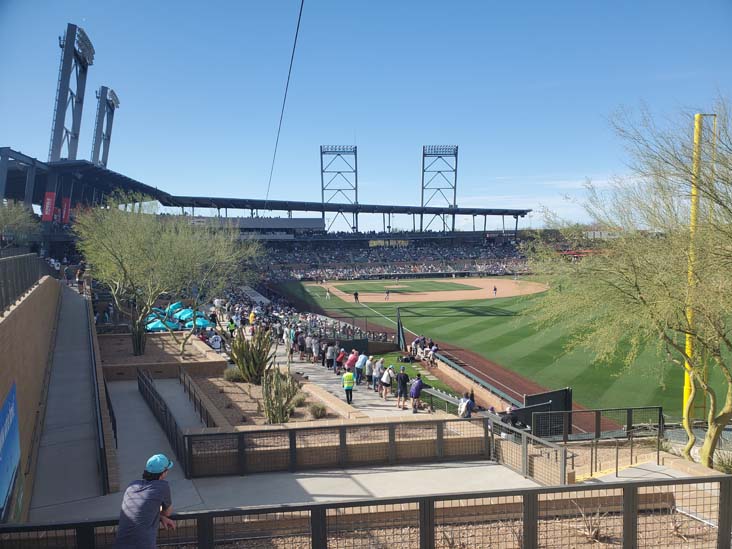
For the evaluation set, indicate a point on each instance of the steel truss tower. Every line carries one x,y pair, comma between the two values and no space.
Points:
77,55
439,176
108,103
339,178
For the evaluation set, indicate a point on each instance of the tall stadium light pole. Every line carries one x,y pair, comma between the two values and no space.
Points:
693,219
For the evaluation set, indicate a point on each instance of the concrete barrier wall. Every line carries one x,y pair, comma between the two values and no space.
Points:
26,336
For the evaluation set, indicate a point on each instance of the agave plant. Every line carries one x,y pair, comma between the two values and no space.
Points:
253,356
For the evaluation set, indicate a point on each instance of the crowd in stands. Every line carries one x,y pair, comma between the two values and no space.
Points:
303,261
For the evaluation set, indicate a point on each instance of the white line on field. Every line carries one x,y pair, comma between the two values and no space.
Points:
387,318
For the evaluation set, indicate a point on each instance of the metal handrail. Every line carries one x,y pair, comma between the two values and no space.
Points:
101,444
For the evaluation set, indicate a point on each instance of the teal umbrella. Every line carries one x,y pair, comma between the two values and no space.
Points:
200,323
187,314
159,326
174,307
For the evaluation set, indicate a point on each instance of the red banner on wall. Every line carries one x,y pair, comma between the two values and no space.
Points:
65,209
49,201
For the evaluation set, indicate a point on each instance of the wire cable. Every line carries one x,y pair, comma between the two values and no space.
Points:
284,101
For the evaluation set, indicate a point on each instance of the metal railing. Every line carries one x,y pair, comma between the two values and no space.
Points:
194,396
17,275
101,443
605,423
162,413
690,512
110,409
388,443
440,400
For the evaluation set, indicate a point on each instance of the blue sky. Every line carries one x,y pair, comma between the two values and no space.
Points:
525,89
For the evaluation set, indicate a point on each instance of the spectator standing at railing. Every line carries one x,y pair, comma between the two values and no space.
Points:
330,354
416,392
146,506
466,406
369,370
378,372
402,379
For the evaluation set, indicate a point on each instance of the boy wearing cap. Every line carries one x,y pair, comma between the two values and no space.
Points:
146,506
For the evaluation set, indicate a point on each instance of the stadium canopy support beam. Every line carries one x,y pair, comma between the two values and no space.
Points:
515,230
339,178
107,104
485,223
439,179
503,222
4,162
30,184
76,57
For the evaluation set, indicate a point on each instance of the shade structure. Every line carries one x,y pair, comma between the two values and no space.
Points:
174,307
200,323
159,326
184,315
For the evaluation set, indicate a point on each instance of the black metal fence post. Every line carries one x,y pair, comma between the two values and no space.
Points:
205,532
724,520
392,444
342,446
293,450
426,523
440,442
85,536
242,453
630,517
530,519
318,528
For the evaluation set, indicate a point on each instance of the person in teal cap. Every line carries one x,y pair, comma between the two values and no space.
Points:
146,506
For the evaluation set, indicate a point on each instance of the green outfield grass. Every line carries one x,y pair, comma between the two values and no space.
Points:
497,330
407,286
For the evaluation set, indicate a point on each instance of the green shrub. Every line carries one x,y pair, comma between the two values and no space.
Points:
318,411
233,374
299,400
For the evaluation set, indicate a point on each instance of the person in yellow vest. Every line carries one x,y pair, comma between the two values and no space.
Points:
348,381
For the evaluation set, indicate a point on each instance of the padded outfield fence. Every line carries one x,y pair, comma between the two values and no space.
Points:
390,443
663,513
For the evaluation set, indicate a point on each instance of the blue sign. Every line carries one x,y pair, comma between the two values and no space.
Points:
9,451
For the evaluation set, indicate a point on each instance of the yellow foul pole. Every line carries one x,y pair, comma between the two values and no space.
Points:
695,173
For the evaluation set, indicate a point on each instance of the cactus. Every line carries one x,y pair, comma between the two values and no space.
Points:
278,393
253,356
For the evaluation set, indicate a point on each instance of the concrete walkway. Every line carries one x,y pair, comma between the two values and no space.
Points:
139,434
311,486
67,458
364,398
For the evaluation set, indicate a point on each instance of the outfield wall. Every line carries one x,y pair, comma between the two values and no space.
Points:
27,332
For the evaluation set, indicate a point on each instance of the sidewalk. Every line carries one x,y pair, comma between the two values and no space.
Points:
67,457
364,398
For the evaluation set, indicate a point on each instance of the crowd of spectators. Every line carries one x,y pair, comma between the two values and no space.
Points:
307,261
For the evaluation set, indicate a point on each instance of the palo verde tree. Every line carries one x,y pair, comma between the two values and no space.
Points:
637,286
209,259
140,256
17,223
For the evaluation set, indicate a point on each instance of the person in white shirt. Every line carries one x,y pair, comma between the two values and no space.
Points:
216,342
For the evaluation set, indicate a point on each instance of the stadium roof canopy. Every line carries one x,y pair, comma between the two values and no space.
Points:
89,176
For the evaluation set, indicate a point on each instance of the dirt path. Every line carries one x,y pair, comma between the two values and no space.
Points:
505,287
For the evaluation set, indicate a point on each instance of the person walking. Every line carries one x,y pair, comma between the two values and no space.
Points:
402,379
327,293
339,361
495,291
415,392
386,295
378,372
355,297
348,381
146,506
369,370
330,354
360,365
386,380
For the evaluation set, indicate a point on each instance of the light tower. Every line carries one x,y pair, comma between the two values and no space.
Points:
439,176
339,178
76,57
108,103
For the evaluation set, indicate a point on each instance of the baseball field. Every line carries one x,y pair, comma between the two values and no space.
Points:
464,314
